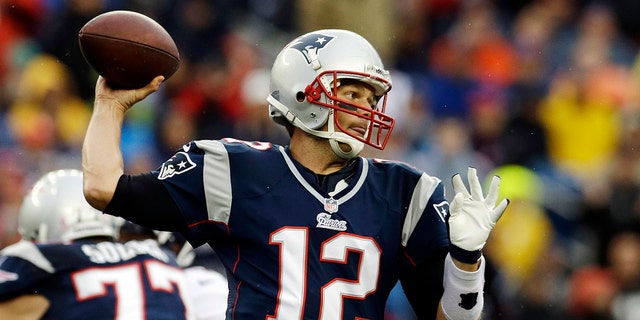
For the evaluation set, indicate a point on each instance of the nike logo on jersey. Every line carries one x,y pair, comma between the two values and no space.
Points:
178,164
325,221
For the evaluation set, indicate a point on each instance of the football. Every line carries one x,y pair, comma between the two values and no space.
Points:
128,48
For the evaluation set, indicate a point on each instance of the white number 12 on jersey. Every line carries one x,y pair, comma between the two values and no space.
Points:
293,242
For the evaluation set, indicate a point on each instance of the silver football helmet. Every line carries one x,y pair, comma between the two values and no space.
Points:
55,210
304,81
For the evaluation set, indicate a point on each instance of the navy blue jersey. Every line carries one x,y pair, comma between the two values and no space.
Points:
293,250
103,280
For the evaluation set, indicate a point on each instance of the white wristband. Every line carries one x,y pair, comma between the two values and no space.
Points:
463,297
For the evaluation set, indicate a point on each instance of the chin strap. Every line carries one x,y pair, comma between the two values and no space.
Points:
333,136
355,146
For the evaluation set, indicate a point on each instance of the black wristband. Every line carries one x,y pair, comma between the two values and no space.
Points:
463,255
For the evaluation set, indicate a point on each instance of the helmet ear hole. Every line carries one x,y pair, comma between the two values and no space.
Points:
300,97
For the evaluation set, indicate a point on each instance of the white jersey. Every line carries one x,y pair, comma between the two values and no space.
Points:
208,291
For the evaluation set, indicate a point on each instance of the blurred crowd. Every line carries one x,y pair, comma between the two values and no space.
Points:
544,93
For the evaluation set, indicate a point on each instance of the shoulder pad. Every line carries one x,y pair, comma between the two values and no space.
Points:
29,251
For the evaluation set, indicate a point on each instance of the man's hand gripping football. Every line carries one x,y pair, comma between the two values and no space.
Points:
125,98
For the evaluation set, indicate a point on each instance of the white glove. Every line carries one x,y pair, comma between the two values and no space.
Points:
472,216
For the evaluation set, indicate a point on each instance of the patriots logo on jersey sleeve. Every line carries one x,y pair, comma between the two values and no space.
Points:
178,164
442,209
309,44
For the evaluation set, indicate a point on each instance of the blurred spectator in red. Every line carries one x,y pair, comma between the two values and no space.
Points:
12,189
591,292
610,290
19,22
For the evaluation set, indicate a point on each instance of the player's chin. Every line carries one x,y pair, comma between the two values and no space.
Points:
345,147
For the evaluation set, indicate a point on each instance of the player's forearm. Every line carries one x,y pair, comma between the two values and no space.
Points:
463,290
440,315
102,161
25,307
466,266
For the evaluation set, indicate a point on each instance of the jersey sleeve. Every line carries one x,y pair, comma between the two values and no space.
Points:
22,265
143,199
197,179
427,217
170,198
426,248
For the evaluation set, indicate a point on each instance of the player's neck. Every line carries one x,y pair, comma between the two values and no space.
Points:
315,154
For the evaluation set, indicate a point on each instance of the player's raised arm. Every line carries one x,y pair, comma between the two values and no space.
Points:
102,160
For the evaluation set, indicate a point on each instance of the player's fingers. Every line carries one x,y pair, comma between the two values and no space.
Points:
100,80
492,194
101,84
150,88
456,204
499,210
474,184
155,83
458,185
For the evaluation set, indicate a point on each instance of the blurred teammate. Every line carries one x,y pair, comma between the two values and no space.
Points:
205,288
310,230
69,264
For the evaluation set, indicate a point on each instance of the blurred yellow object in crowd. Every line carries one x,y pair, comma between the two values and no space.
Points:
46,107
524,232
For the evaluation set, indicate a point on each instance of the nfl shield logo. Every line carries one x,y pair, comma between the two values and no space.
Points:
331,205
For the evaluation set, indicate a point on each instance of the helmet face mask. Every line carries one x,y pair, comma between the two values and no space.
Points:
304,81
55,210
380,124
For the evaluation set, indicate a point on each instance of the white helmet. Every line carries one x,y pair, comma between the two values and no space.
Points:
304,80
55,210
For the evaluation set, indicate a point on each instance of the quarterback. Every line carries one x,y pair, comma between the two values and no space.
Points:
308,230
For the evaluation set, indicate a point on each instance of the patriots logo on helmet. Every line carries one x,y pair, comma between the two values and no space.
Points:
178,164
309,44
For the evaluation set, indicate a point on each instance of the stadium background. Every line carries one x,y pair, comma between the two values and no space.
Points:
544,93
